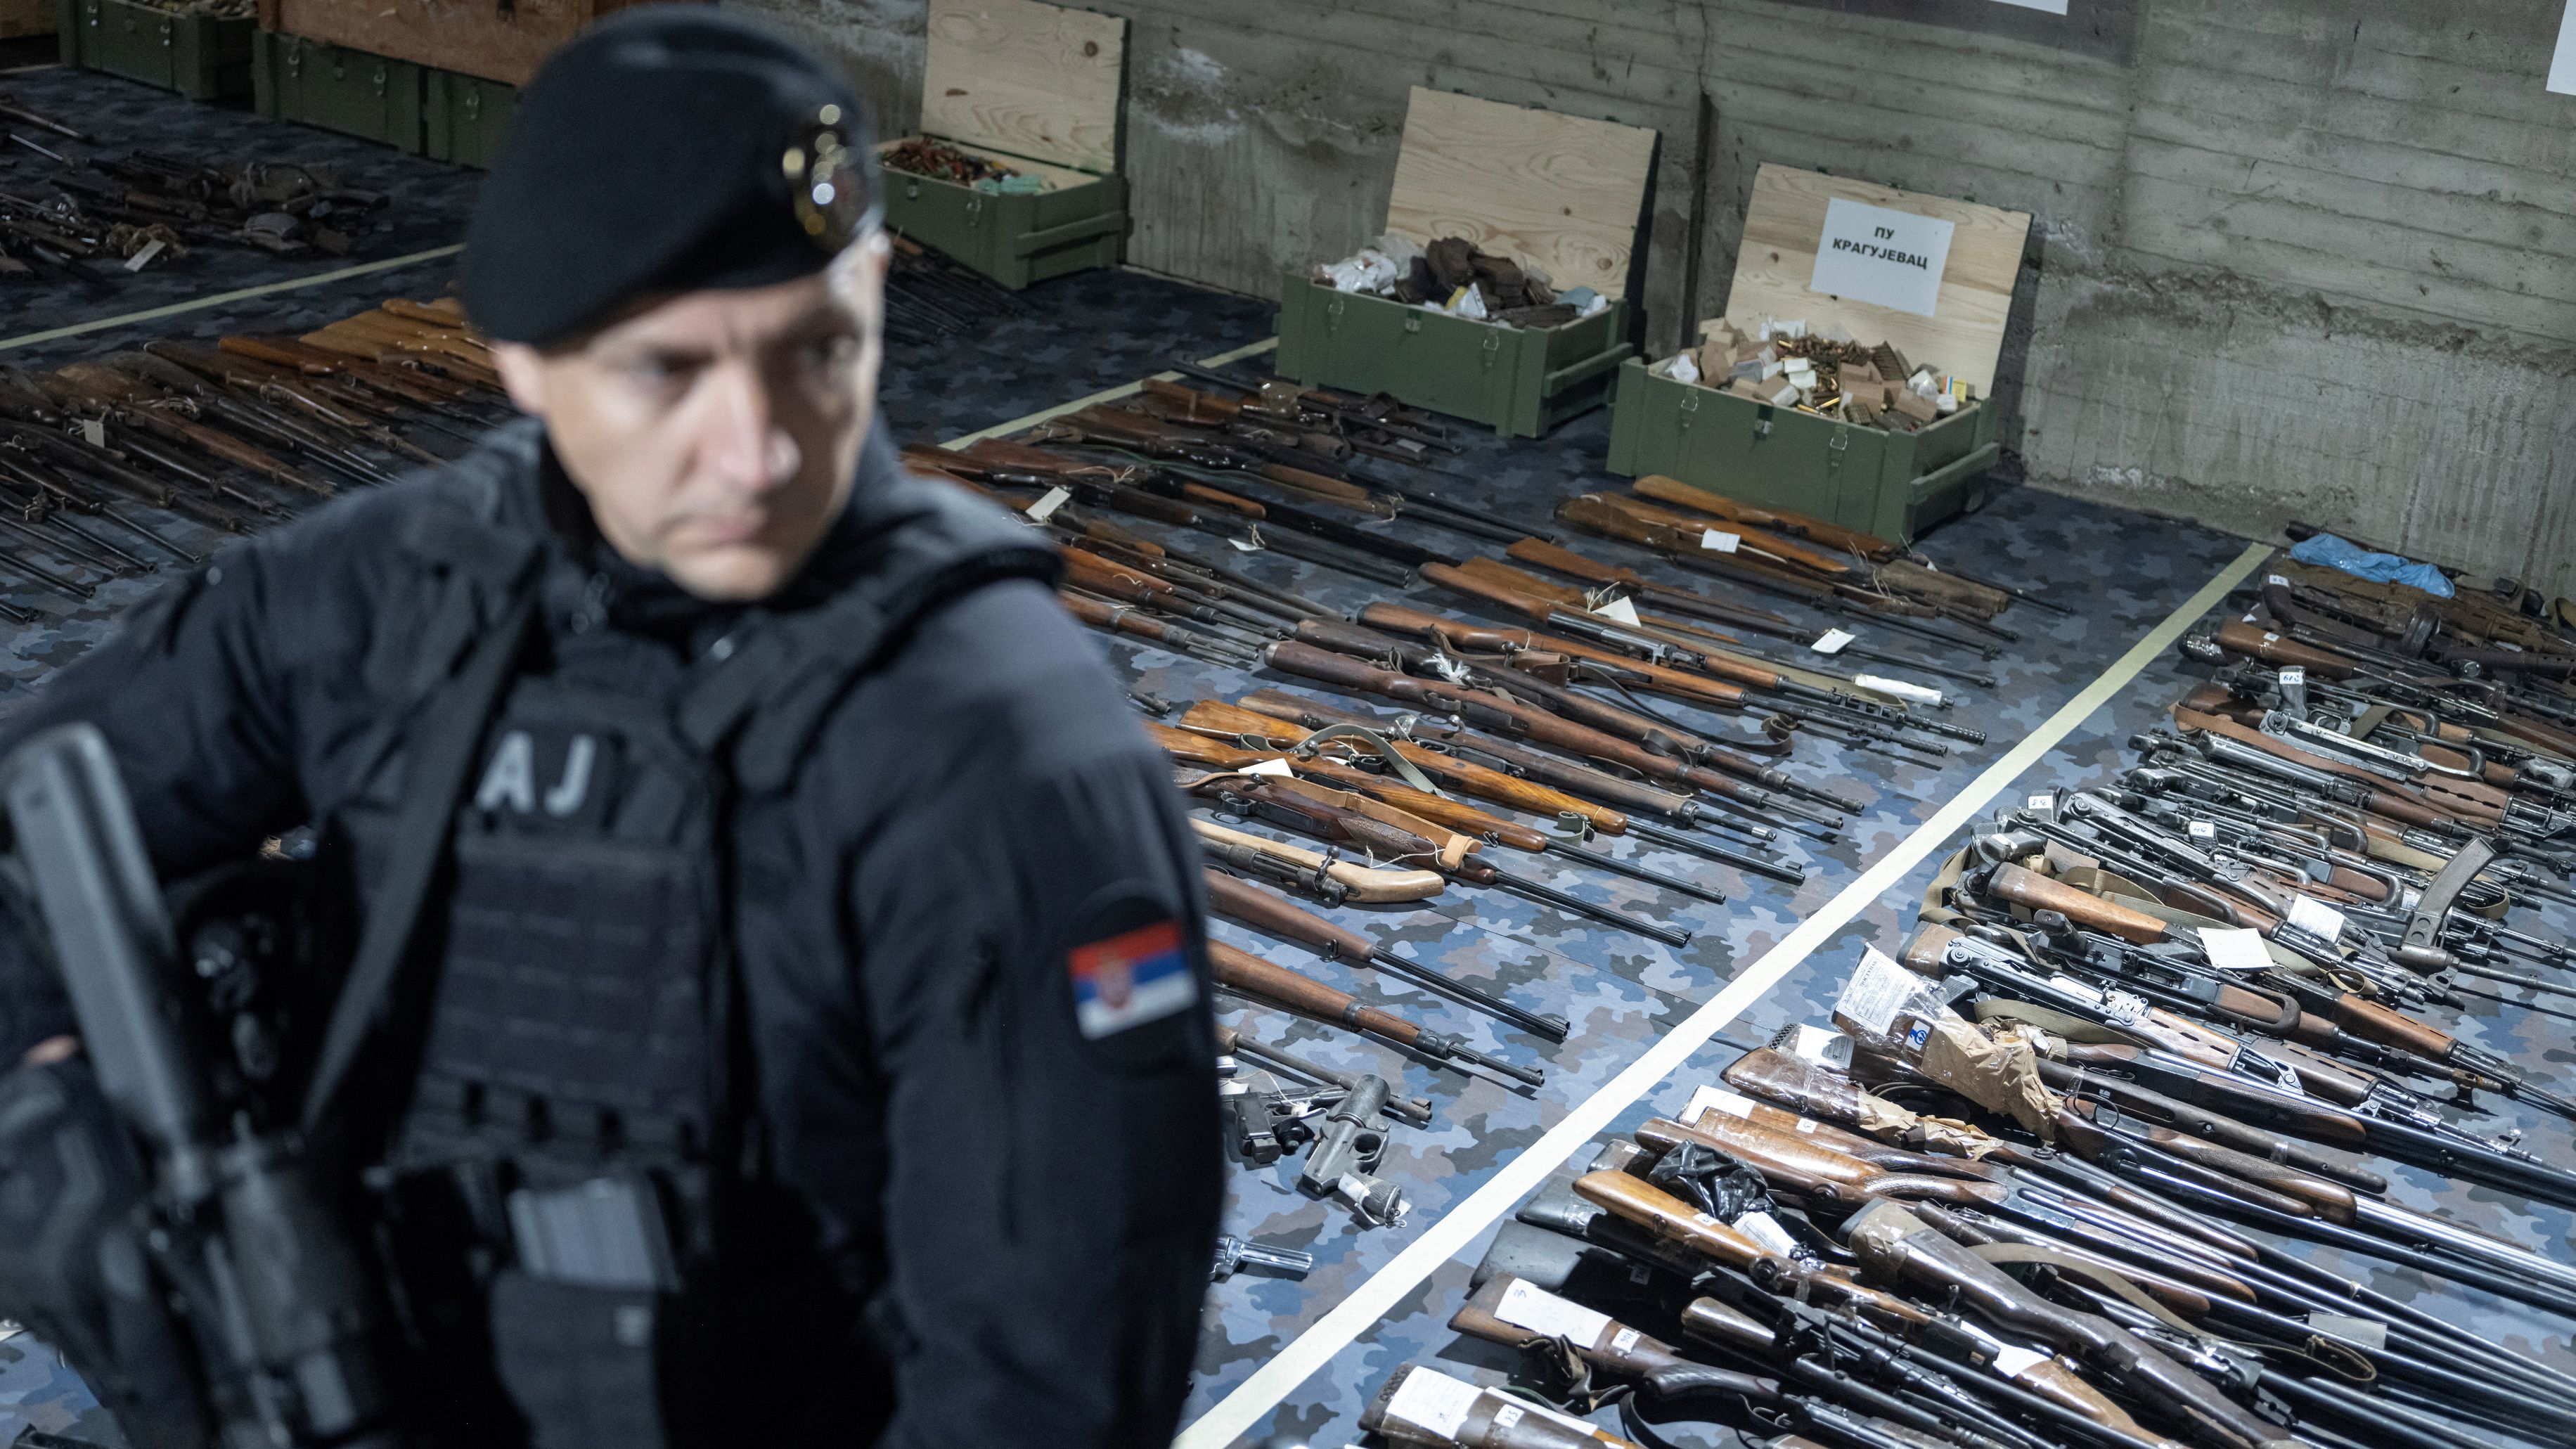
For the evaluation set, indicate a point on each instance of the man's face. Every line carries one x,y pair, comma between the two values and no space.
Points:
716,434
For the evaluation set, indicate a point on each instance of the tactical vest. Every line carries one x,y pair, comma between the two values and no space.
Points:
576,1160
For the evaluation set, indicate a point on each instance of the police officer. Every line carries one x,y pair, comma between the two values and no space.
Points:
774,1008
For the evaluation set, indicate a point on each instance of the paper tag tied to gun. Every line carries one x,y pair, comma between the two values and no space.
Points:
2316,918
1877,993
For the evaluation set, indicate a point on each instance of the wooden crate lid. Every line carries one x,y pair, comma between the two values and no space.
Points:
1785,226
1561,191
1033,80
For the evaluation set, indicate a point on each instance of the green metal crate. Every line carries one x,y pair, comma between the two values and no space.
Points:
1015,239
200,57
1894,485
1519,381
463,116
349,91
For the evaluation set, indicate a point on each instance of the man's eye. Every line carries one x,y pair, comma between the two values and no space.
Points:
837,350
661,372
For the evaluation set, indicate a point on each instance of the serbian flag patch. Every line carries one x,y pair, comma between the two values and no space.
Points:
1129,979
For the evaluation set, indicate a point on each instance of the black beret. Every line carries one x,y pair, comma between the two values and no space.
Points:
671,148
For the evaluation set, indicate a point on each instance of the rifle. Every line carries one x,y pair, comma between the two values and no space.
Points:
1631,797
1326,877
1122,618
1248,975
1389,834
1441,810
287,1314
1238,901
1231,1041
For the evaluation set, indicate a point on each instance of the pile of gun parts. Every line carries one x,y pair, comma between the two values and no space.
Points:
1830,377
1440,746
929,298
228,437
2046,1180
923,156
107,213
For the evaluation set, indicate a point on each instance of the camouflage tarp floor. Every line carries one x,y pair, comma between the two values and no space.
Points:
2122,573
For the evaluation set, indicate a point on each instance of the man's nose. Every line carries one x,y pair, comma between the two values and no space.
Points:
745,445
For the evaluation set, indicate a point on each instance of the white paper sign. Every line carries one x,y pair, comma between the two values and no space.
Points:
1876,991
2316,918
1248,545
2203,830
2562,65
1832,641
1722,542
1890,258
1270,767
1526,1305
94,432
1620,610
2041,802
1432,1402
1048,502
2233,948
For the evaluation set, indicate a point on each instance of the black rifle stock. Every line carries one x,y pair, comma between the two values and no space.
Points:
283,1304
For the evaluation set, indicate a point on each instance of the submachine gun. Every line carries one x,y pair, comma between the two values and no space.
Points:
275,1292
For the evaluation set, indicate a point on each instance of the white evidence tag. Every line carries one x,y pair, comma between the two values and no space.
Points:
1048,502
1622,611
1717,1099
1271,767
1821,1046
1432,1402
2234,948
1722,542
1245,544
2316,918
1526,1305
1877,990
2040,802
1832,641
2012,1360
1765,1229
1906,690
2203,830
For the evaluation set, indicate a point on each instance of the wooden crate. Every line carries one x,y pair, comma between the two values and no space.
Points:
1033,87
503,42
27,17
1562,192
1895,485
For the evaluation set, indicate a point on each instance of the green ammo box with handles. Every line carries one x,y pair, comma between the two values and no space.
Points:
442,114
1033,87
1522,381
349,91
1895,485
462,116
1560,193
200,57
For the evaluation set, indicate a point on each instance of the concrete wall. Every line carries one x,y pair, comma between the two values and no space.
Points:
2291,258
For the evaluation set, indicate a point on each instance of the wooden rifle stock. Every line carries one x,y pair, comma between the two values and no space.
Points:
2028,888
1248,975
1665,489
1243,902
1673,1221
1372,885
1234,723
2238,637
1811,1167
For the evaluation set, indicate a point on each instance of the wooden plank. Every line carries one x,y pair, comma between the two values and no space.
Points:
1777,258
468,36
1561,192
1027,79
1057,178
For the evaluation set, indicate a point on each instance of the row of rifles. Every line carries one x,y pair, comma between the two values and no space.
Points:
128,462
2061,1173
1509,724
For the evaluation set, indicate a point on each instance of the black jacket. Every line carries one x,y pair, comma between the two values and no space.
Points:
1033,1208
